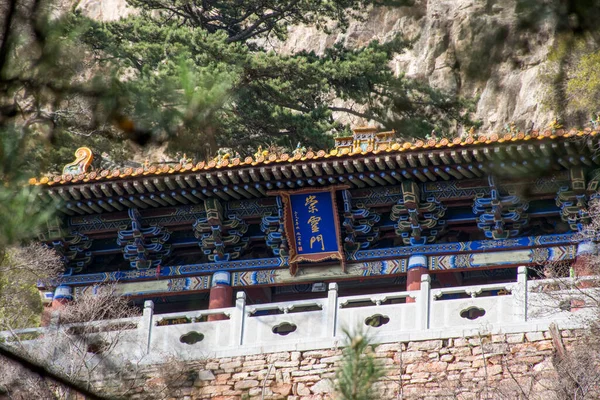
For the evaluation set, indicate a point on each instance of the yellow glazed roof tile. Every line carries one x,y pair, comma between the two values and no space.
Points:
265,158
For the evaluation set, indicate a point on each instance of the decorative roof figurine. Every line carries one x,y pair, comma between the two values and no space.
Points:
472,133
555,124
223,153
106,162
432,135
530,129
595,122
299,151
364,139
185,160
83,160
260,153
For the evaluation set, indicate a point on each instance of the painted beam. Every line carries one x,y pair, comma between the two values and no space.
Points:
495,250
147,288
503,258
282,276
317,274
462,247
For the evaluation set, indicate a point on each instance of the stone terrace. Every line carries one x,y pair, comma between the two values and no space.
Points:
489,366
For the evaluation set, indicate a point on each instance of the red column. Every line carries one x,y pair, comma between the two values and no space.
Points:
62,296
221,294
584,263
584,266
417,267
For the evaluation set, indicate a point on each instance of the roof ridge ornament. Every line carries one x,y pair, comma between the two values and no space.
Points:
83,160
364,139
345,146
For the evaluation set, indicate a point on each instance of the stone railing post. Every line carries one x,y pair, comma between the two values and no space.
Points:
54,320
238,319
146,323
520,297
424,302
332,310
52,331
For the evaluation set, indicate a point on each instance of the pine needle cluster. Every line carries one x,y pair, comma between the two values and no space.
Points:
359,370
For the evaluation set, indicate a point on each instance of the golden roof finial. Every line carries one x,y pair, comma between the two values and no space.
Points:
83,160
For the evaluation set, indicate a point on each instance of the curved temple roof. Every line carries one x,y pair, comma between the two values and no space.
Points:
388,163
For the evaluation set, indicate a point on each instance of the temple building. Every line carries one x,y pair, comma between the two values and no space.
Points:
374,214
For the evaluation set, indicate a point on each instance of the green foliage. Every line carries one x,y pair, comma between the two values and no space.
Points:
569,75
53,92
21,214
20,303
20,270
206,75
573,17
583,89
242,21
358,369
572,79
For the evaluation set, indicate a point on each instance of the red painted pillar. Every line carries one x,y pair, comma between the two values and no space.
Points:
583,265
63,295
221,294
417,267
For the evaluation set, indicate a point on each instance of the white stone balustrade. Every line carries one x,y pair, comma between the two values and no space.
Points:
520,306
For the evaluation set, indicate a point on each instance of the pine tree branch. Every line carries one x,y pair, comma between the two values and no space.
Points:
269,19
358,114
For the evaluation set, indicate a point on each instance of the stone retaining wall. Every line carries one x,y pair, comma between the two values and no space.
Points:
462,368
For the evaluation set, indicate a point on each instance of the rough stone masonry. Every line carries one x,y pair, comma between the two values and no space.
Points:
491,366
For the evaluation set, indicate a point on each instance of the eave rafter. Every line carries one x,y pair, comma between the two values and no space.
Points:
422,162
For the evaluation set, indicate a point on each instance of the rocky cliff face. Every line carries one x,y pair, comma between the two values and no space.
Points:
104,10
473,48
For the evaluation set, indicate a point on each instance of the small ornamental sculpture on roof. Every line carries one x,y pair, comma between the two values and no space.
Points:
555,125
364,141
299,151
595,123
224,153
83,160
260,153
184,160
